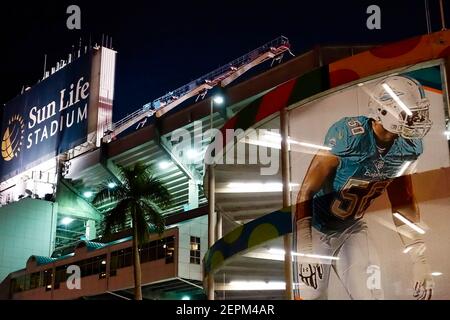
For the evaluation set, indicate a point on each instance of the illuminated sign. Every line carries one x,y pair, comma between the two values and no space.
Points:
46,120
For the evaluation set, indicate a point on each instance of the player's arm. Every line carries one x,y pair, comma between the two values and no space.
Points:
403,201
322,166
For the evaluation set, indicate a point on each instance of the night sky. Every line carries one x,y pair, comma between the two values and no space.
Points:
165,44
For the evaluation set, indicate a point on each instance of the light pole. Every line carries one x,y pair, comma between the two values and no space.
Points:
217,100
214,222
441,7
287,239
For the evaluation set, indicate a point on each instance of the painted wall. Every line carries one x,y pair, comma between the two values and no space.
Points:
27,228
197,228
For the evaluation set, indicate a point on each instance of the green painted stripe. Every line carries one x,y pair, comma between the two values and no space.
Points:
310,84
246,117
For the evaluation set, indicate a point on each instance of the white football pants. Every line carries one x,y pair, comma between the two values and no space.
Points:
357,267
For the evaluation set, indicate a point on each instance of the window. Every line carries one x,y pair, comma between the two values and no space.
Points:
113,264
88,267
27,282
47,283
32,281
151,251
195,250
18,284
60,275
161,249
170,250
158,249
35,279
94,265
121,259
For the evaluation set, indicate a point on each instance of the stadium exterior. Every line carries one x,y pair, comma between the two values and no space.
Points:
221,249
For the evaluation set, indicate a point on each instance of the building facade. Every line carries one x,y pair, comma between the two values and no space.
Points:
230,249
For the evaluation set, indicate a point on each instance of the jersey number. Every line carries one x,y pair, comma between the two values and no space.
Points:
356,197
355,127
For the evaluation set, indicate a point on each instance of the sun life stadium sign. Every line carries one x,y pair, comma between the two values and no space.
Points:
13,137
46,120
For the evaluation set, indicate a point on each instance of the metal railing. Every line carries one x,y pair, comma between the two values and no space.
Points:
276,46
217,74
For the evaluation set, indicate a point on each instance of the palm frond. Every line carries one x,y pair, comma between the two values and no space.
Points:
111,195
117,217
153,216
139,196
156,192
132,175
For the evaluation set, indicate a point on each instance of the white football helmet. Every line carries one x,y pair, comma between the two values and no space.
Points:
400,104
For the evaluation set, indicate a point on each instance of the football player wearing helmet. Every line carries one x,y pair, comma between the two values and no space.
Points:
367,156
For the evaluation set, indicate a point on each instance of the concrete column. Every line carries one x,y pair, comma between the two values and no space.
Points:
91,231
284,123
193,194
211,286
211,222
219,230
441,9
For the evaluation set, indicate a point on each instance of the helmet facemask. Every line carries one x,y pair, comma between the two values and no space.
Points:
393,117
418,124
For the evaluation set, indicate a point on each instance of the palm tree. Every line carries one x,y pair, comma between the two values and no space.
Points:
137,198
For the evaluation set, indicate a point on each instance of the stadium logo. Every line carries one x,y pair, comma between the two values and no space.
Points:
12,138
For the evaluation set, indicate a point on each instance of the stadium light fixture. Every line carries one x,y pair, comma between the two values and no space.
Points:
252,187
273,140
88,194
112,185
164,165
396,98
277,137
298,254
66,221
256,285
218,99
309,145
191,154
409,223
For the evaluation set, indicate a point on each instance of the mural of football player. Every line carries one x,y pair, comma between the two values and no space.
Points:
368,156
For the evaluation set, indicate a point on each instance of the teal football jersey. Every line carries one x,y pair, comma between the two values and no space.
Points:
363,174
